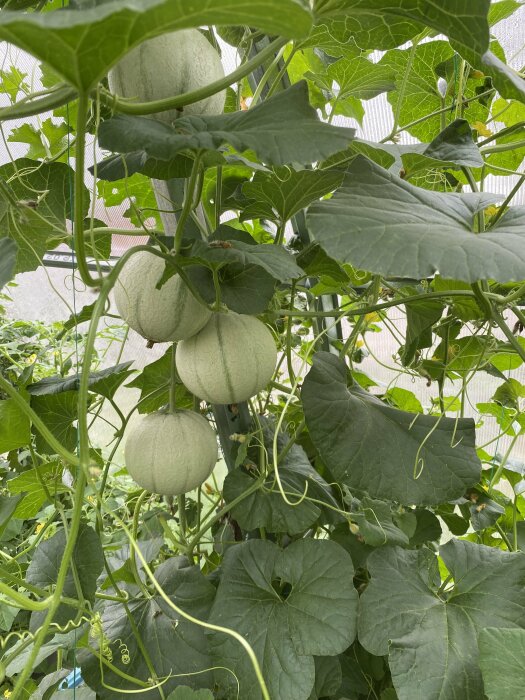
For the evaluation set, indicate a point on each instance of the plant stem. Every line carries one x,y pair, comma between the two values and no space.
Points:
515,524
209,521
78,203
134,533
28,108
267,75
218,196
500,147
504,537
289,323
19,687
188,98
436,113
188,202
183,525
173,380
379,307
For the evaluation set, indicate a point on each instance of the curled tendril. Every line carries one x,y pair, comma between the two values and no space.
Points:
97,632
124,651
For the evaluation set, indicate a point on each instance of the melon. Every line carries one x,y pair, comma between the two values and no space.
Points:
169,65
232,358
159,315
171,453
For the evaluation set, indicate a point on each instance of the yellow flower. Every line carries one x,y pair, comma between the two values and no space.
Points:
490,211
39,528
482,129
31,359
7,693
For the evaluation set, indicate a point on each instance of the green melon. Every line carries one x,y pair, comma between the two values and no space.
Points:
171,453
232,358
159,315
170,65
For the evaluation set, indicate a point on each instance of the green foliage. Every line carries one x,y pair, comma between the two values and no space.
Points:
363,534
300,600
344,423
408,248
501,661
284,129
431,637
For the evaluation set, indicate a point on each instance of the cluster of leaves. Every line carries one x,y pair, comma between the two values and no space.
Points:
361,544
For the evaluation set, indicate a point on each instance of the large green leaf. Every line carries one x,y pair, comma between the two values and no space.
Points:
59,412
284,129
37,204
154,384
65,642
105,382
278,196
421,317
81,45
29,483
340,37
15,428
502,662
462,20
417,93
291,605
8,251
183,692
328,677
357,77
46,560
502,9
452,146
381,223
87,557
274,259
419,459
245,288
177,648
8,505
266,506
431,637
377,522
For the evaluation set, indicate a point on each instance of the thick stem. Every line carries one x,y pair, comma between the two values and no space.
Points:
173,380
28,108
78,204
183,525
189,203
134,533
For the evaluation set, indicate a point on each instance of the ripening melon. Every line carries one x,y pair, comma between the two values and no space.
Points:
232,358
169,65
159,315
171,453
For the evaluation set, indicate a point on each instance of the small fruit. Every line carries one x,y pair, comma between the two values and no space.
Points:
171,453
159,315
232,358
